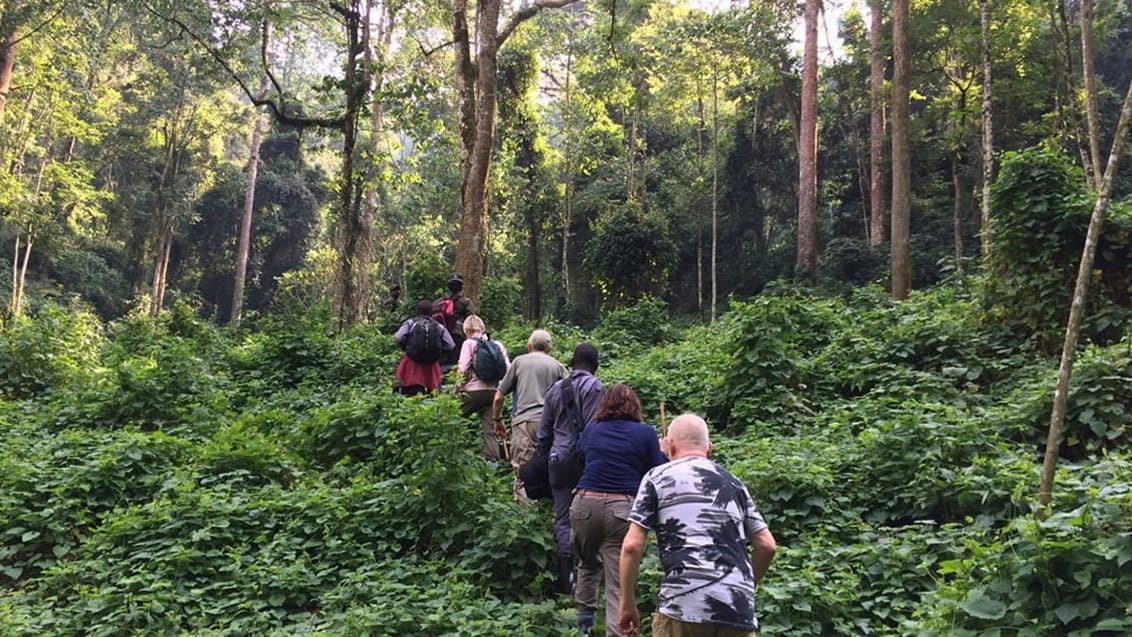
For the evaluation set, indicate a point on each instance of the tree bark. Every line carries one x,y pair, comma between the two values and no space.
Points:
475,88
876,126
1065,94
1089,75
988,133
807,148
354,238
244,243
714,189
901,160
8,38
1077,309
568,163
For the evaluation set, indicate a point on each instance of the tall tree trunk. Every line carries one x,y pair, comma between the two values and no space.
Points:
876,126
568,163
808,149
698,208
1077,309
475,90
354,239
22,283
714,191
988,133
631,155
161,266
243,246
377,48
1065,93
9,36
1089,75
901,160
957,206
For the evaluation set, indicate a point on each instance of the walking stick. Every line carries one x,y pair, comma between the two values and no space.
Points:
663,424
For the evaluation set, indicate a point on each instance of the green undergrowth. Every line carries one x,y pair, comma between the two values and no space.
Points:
165,477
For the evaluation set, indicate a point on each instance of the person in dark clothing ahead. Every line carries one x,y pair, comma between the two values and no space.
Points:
618,450
569,405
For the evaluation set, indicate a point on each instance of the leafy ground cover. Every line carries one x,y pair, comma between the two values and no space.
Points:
164,477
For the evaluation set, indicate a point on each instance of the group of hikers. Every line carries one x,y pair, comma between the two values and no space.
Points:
611,478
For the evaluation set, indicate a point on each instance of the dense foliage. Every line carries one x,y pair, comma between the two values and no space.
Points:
163,476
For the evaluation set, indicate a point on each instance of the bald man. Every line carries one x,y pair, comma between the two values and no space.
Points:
704,519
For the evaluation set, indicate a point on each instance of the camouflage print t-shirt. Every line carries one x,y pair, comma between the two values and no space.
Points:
702,516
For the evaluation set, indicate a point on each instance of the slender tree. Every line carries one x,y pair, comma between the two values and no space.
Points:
901,160
1077,309
1089,75
807,147
988,130
876,125
244,242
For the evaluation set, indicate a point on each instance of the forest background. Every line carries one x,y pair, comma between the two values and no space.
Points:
857,278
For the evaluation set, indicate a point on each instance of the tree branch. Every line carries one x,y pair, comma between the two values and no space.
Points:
37,27
277,109
527,12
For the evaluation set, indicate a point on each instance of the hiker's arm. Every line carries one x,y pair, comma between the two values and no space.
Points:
763,548
401,332
632,550
497,413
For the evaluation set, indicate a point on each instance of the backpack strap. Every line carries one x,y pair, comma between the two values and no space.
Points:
570,400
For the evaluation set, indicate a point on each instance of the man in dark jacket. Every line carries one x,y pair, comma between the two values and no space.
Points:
566,410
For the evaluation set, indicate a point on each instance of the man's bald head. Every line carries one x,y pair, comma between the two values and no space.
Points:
688,435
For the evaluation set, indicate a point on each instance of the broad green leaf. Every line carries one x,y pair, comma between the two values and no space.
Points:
979,605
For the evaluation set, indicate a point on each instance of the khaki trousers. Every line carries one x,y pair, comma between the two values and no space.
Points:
665,626
597,526
523,442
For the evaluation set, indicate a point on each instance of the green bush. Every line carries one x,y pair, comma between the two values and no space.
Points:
55,347
1066,575
1040,213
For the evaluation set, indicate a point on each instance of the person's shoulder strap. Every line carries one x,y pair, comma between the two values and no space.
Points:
570,401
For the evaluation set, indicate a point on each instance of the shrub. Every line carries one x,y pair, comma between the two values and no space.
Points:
1065,575
53,348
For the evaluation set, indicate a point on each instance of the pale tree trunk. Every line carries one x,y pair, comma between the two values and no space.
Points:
9,36
161,266
876,126
901,160
957,207
714,189
631,155
807,148
988,133
1077,309
377,46
699,200
956,133
19,274
1065,95
1089,75
475,89
22,283
164,239
568,163
15,276
243,246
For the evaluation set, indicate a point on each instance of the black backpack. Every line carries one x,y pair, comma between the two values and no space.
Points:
423,343
488,362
